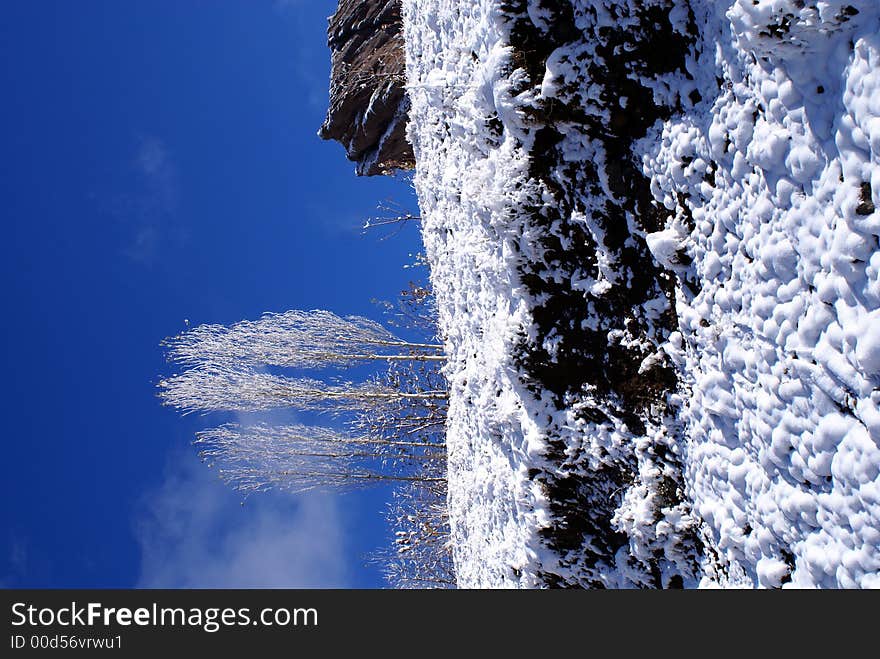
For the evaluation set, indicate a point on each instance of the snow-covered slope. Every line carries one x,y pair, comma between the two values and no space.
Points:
467,180
653,232
773,184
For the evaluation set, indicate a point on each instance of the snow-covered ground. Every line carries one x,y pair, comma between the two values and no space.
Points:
584,169
781,346
466,181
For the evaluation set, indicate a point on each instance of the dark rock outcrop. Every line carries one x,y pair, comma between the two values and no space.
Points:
368,102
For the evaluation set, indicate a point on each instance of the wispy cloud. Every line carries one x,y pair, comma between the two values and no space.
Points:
16,561
194,534
154,206
143,198
310,59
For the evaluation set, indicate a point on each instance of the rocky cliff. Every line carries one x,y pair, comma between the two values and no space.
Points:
368,102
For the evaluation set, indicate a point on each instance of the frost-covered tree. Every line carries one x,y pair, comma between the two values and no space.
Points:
228,388
393,423
421,556
296,339
393,432
300,457
229,368
419,409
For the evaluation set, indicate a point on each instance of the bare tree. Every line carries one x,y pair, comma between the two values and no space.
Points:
421,556
393,215
419,412
414,309
394,422
228,368
213,388
297,339
303,457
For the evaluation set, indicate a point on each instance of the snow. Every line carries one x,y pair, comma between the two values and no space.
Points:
770,184
465,181
785,369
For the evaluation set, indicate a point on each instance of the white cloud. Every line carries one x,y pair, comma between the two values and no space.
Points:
194,533
17,561
147,202
152,157
309,57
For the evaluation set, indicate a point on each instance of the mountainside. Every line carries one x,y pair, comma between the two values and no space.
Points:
653,233
564,445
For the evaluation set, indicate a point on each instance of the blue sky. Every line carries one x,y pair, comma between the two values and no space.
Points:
160,163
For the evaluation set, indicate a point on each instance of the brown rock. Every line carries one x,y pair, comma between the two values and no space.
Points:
368,102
